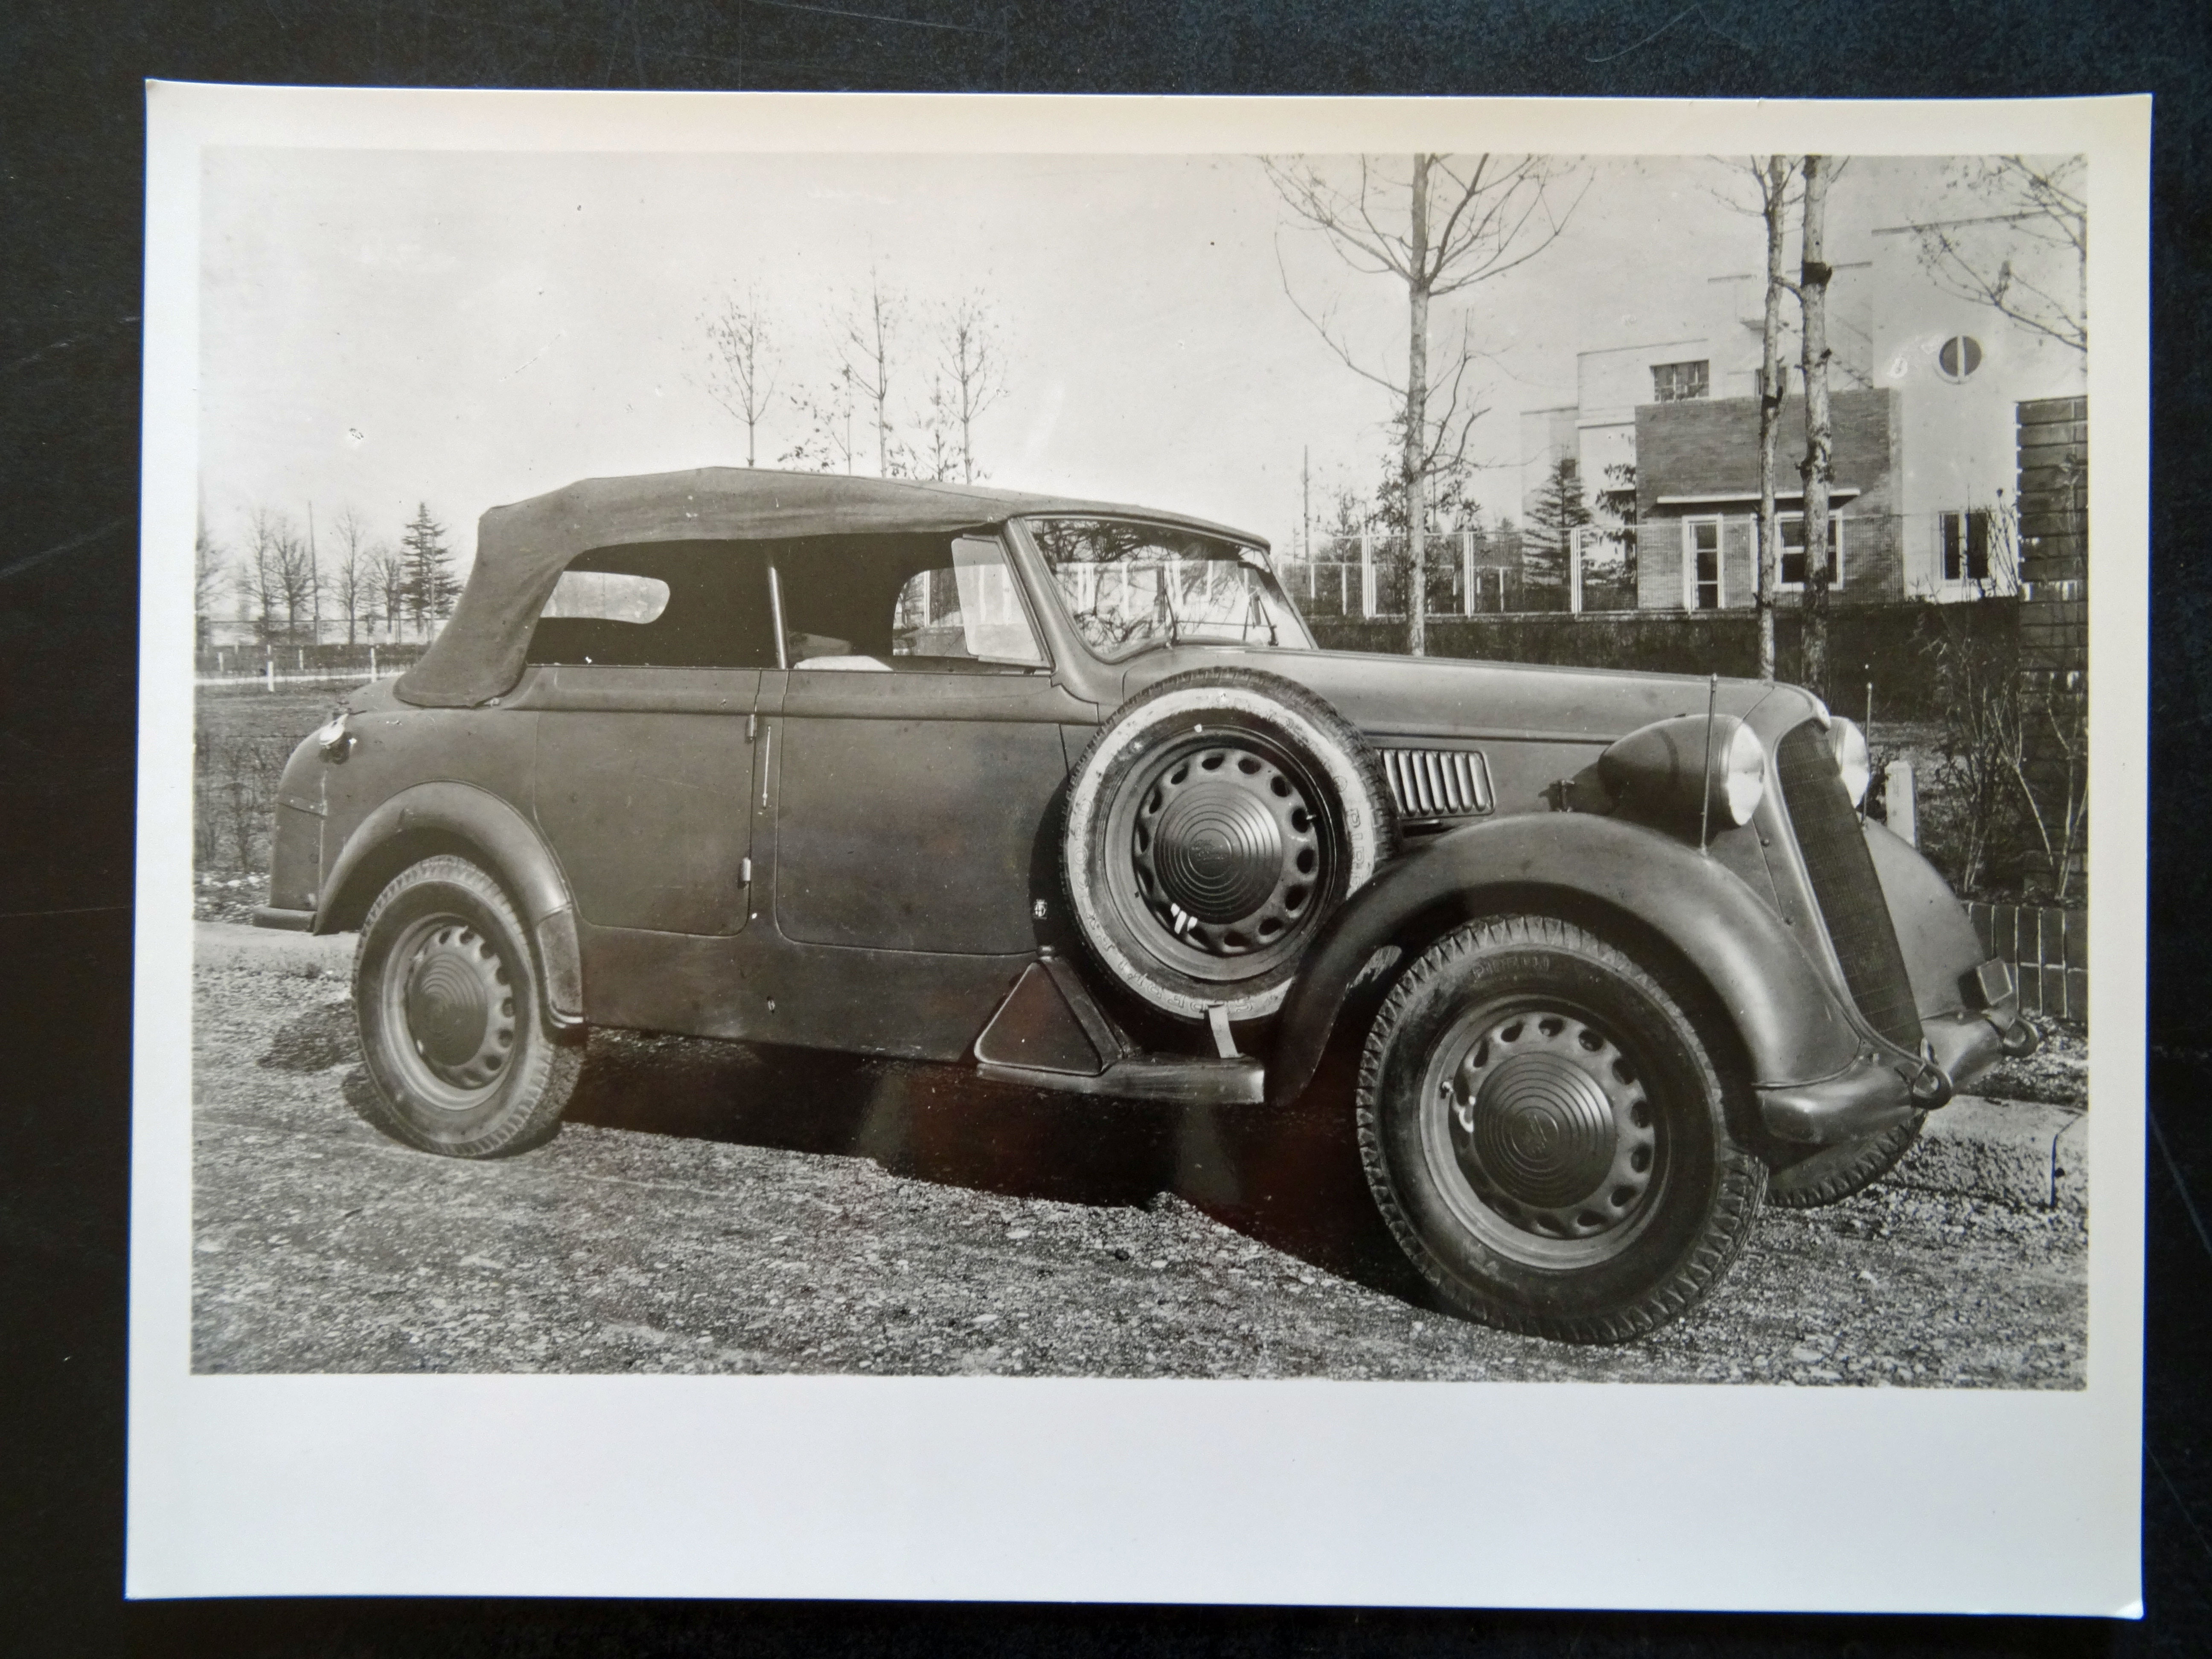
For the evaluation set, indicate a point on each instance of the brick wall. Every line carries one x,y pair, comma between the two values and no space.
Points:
2049,951
2053,455
1710,446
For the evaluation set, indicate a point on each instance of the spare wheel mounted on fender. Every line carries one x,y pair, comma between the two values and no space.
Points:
1213,823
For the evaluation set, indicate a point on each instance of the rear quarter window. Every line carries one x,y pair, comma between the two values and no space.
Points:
694,605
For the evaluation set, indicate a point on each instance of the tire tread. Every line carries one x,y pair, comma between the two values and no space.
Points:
1741,1176
556,1059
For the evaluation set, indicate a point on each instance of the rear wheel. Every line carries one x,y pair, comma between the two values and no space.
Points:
460,1059
1546,1135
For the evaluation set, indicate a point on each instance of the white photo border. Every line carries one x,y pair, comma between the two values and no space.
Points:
1284,1492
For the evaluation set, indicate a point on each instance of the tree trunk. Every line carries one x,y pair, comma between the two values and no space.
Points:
1772,184
1417,417
1818,468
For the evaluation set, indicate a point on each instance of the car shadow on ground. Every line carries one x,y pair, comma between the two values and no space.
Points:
1287,1178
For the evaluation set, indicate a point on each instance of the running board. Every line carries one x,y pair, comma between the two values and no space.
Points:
1185,1080
1050,1033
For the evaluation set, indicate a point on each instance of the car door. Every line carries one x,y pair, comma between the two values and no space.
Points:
918,755
648,698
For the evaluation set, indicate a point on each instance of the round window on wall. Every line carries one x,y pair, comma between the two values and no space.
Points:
1958,358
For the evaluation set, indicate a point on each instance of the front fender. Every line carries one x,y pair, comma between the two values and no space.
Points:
1788,1021
517,855
1933,932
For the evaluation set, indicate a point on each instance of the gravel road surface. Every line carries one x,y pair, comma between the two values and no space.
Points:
710,1208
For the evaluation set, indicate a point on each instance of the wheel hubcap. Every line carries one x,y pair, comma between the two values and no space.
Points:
460,1006
1226,849
1550,1125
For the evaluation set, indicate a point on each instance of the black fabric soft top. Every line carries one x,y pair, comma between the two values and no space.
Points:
522,549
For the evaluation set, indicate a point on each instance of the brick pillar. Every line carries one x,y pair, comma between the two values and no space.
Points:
2053,457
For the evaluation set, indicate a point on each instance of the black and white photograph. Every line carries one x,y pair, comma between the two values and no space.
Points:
1252,764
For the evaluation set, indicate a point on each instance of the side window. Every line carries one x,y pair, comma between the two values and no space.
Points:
917,603
606,596
702,604
967,611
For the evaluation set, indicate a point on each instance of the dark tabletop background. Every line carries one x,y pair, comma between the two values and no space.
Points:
71,149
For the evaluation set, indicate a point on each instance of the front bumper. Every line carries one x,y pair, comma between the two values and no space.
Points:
1879,1090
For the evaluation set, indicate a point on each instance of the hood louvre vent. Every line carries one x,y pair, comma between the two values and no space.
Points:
1438,783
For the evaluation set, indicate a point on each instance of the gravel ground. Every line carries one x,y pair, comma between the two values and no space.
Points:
2056,1074
715,1208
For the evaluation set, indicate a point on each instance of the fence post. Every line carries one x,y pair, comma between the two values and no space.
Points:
269,673
1900,808
372,662
1574,571
1367,574
1467,572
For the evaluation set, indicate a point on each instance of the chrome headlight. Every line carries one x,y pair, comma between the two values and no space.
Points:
1856,766
1742,781
1685,768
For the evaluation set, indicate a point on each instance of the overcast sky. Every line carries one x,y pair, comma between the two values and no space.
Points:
381,329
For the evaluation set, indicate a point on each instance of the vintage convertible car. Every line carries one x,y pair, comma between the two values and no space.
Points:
1065,791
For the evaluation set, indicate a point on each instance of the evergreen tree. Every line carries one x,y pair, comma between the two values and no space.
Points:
1555,512
1615,510
430,586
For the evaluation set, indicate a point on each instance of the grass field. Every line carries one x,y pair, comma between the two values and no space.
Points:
242,736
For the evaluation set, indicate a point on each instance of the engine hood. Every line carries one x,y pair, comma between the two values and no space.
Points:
1392,698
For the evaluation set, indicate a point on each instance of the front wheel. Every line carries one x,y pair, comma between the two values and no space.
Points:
1546,1135
1805,1178
460,1059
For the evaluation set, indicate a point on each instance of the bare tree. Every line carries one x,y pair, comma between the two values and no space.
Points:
1818,468
741,364
2005,259
826,444
352,576
387,588
279,575
1772,174
975,379
1439,227
871,324
940,458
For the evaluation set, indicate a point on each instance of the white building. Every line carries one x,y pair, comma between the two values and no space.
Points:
1958,369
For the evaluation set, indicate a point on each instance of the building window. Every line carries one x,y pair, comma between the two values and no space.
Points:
1793,550
1958,356
1675,383
1965,545
1701,564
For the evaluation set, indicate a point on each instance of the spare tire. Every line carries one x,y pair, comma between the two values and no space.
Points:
1213,824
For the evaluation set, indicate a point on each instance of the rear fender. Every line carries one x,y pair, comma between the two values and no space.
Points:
436,816
1788,1021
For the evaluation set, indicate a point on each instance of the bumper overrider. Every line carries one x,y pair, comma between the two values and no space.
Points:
1884,1086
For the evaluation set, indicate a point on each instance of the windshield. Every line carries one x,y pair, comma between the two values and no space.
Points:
1131,587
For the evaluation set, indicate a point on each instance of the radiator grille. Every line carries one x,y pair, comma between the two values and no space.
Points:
1438,783
1846,885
